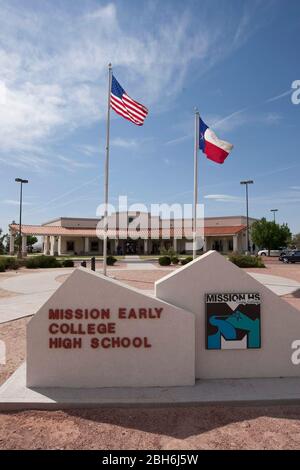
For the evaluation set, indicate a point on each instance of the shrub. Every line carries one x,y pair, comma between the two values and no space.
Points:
42,262
2,266
10,263
186,260
111,260
246,261
164,260
167,252
68,263
175,259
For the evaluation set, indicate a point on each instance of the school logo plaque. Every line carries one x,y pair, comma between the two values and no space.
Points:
233,321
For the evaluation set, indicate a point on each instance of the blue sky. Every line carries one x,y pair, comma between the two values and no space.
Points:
234,60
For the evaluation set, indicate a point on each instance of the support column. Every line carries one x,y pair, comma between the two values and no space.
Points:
205,244
51,241
59,246
24,245
55,247
46,245
145,246
235,243
11,244
52,245
175,244
86,245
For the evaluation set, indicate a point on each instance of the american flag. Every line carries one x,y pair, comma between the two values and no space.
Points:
126,106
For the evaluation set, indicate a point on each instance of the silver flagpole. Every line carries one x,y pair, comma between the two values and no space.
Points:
196,147
106,171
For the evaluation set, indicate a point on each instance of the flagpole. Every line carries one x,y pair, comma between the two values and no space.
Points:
196,147
106,172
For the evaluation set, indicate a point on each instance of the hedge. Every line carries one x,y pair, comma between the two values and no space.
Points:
9,263
111,260
186,260
247,261
164,260
68,263
42,262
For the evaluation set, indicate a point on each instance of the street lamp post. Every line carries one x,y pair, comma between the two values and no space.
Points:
247,210
274,214
21,181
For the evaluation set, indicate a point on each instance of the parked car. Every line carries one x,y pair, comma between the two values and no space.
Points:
272,252
285,252
34,249
291,257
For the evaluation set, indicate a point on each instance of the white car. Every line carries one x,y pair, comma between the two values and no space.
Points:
272,252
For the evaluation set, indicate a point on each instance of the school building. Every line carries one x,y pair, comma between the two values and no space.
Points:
134,233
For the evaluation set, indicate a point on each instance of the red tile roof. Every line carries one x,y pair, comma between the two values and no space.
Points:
41,230
211,231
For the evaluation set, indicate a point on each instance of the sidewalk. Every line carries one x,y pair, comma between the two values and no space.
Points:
135,262
32,290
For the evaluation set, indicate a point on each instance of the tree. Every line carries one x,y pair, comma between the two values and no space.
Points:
31,240
3,238
270,235
296,241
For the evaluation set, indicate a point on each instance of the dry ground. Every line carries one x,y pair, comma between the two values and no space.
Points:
13,333
153,428
276,427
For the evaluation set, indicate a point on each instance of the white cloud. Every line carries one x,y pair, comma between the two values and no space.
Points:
278,97
54,67
223,198
71,164
232,122
89,150
244,117
107,13
179,139
124,143
13,202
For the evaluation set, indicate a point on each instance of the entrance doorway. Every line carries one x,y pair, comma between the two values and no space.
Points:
131,247
217,245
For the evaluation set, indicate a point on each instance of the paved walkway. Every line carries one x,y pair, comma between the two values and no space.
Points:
32,290
135,262
277,284
14,395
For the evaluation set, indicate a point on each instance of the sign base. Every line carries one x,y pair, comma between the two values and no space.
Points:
14,395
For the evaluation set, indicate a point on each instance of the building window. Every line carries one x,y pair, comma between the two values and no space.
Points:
230,245
130,219
70,246
94,245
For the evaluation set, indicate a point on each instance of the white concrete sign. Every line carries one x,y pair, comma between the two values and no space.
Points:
267,325
207,320
96,332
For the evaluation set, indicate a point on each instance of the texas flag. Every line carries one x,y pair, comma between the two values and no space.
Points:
215,149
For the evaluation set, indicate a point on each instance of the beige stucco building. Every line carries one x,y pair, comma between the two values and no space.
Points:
134,233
